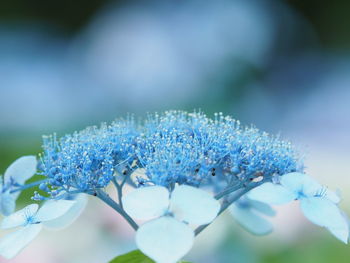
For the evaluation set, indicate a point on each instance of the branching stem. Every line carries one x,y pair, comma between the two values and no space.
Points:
27,186
109,201
228,190
235,196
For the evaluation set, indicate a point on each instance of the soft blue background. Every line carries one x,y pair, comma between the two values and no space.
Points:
281,65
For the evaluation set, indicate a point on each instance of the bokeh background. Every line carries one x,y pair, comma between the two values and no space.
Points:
281,65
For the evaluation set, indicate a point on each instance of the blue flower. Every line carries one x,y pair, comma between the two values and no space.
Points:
318,204
176,148
168,237
170,158
173,148
87,160
190,148
30,220
15,176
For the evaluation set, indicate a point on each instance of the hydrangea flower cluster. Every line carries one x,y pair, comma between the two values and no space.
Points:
185,169
189,148
86,160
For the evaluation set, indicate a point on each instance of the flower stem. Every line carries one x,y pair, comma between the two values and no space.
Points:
109,201
27,186
238,194
228,190
119,192
119,187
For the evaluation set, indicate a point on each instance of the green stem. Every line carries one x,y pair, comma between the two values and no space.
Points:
109,201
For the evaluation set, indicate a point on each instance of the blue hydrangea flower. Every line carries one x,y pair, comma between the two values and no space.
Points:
252,153
250,215
173,148
15,176
168,238
30,220
170,158
87,160
190,148
318,203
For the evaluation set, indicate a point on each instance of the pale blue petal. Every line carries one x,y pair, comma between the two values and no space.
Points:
262,207
165,240
251,221
341,233
293,181
321,211
13,243
53,209
335,197
21,169
70,216
20,218
324,212
270,193
301,183
147,202
193,205
7,203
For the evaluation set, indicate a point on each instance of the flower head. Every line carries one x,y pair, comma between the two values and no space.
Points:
30,221
87,160
170,158
190,148
318,203
176,148
173,148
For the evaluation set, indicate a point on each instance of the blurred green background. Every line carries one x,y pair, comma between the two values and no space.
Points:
283,66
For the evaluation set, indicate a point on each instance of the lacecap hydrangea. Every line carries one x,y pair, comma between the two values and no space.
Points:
87,160
181,171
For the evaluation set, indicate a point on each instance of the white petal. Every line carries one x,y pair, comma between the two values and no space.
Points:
53,209
251,221
13,243
193,205
147,202
7,203
20,217
70,216
298,182
21,169
270,193
324,212
165,239
262,207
